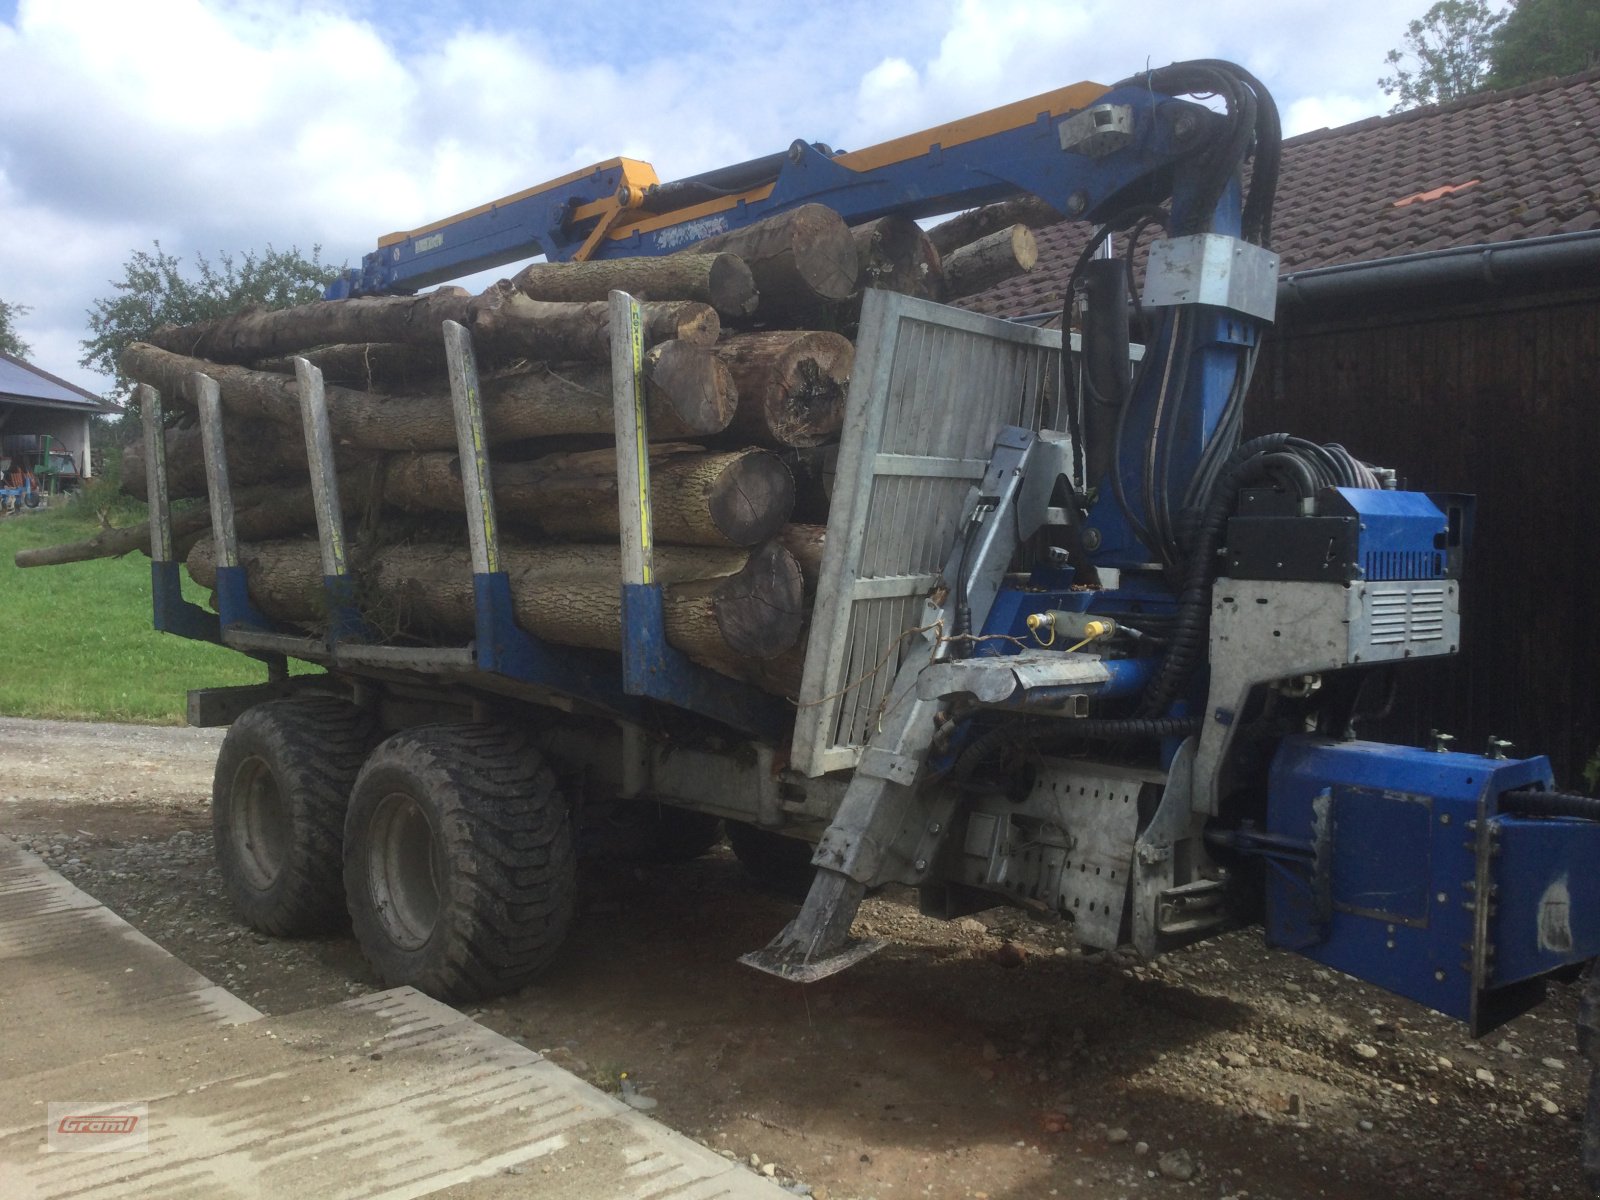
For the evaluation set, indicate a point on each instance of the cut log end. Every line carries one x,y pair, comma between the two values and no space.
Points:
695,393
747,496
733,287
761,610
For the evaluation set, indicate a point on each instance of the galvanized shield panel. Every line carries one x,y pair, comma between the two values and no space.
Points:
932,387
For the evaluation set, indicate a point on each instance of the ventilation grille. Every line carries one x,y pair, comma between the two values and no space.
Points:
1389,565
1406,615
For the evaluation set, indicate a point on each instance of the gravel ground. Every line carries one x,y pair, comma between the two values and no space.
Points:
986,1057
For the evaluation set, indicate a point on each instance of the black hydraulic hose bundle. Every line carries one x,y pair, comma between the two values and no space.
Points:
1527,802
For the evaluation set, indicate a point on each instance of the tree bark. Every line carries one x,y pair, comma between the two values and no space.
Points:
385,367
689,393
896,256
720,280
803,260
698,498
806,543
791,385
978,223
990,260
722,608
503,323
258,452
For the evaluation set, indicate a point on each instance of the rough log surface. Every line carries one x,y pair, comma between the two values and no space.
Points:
806,543
990,260
803,260
895,255
978,223
744,607
258,452
738,498
792,385
720,280
689,392
503,322
371,366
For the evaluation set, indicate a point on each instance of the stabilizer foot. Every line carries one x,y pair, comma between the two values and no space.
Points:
817,943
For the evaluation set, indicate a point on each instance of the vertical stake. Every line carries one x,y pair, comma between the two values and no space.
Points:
155,474
633,440
209,396
324,477
473,449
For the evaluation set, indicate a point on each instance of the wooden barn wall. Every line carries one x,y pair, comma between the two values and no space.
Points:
1506,405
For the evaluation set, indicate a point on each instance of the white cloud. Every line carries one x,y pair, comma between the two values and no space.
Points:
223,125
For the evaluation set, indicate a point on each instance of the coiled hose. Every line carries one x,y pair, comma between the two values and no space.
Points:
1526,802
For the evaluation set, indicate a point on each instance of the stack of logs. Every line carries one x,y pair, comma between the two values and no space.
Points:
746,373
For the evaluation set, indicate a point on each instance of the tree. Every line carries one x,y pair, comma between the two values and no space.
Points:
1541,38
1446,54
154,291
10,341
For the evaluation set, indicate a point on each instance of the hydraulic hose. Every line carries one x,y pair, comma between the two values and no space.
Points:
1527,802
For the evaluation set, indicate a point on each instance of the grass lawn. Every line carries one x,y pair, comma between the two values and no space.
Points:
76,642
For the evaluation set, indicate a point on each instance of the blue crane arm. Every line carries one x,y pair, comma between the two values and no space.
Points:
1078,148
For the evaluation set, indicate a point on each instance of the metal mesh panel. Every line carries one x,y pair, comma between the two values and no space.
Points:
932,387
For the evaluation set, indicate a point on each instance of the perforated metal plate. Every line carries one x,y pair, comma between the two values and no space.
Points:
932,387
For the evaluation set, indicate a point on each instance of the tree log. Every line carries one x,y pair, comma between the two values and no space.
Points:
896,256
564,594
803,260
689,393
990,260
991,218
720,280
791,385
813,468
258,452
738,498
806,543
385,367
503,322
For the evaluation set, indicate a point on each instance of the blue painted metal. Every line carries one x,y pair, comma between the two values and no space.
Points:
1395,865
1402,534
234,607
945,179
345,623
502,647
651,667
171,613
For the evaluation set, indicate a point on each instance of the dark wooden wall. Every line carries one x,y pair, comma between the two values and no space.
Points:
1503,403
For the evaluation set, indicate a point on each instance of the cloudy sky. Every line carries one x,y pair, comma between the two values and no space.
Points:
224,125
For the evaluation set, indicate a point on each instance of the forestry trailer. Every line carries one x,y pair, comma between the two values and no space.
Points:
1073,644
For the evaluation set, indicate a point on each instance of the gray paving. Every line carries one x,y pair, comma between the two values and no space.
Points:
389,1095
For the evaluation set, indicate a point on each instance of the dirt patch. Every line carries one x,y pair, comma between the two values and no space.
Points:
983,1057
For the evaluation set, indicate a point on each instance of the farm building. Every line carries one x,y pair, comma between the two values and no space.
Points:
45,423
1439,312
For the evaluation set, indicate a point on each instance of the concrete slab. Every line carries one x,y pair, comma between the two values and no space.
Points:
390,1095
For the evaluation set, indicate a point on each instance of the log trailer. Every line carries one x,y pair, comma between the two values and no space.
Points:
1076,645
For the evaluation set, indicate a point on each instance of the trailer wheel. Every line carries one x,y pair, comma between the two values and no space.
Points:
459,869
777,863
278,800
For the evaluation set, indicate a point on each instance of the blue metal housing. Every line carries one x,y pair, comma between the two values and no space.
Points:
1403,535
1396,865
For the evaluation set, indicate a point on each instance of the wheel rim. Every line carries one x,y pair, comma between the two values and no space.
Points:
260,826
405,885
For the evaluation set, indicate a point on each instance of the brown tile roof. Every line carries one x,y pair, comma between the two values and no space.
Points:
1494,167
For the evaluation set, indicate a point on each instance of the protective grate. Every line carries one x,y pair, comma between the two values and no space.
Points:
932,387
1390,565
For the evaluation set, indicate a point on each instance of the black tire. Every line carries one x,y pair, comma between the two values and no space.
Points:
643,831
777,863
278,799
459,868
31,499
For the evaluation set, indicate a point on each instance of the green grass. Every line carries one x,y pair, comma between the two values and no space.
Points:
76,642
